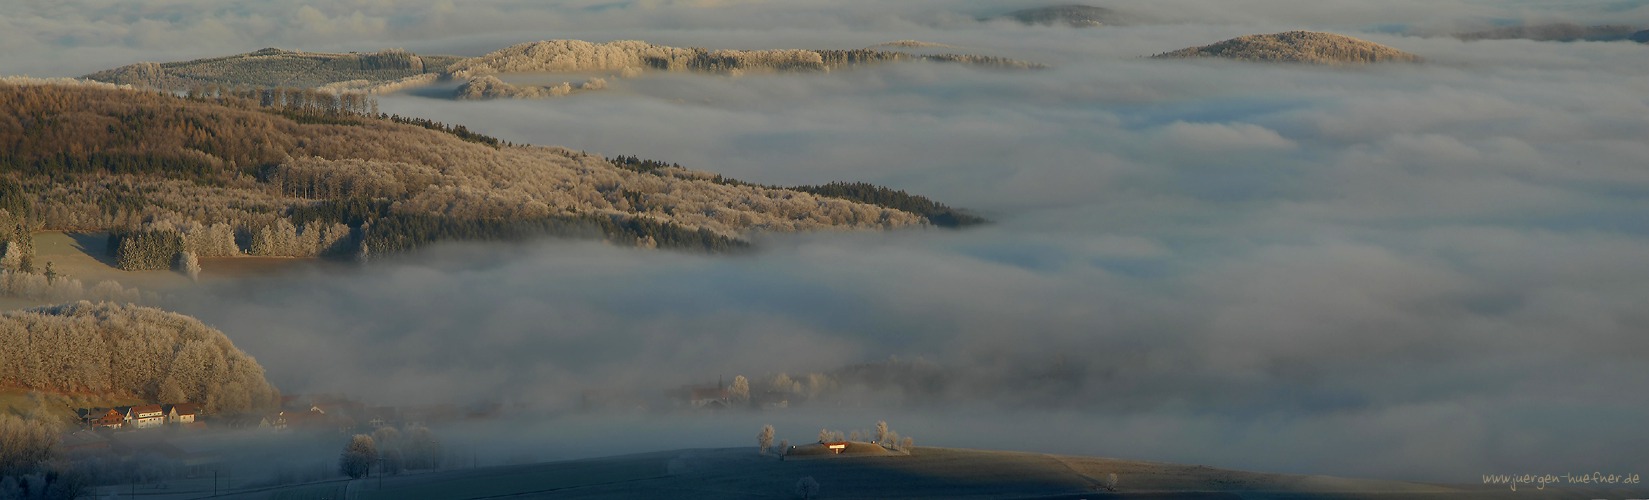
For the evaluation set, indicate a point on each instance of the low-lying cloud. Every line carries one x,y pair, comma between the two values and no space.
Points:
1423,271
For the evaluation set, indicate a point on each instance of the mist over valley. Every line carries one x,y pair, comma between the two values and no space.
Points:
1414,273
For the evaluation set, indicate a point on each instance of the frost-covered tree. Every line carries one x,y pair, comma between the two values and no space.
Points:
764,439
881,432
740,390
358,456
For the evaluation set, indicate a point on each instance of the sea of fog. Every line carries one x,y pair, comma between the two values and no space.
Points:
1421,272
1427,272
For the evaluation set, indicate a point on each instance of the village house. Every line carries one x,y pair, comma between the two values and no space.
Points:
146,416
109,418
140,416
182,413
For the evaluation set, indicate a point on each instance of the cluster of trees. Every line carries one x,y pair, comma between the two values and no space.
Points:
30,467
490,87
391,451
140,352
881,435
937,213
166,246
643,165
52,286
15,233
399,233
458,131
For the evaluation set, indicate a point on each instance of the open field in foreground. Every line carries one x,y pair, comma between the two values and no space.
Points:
926,473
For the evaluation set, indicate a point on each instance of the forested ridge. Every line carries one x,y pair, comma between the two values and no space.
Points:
273,67
936,213
297,173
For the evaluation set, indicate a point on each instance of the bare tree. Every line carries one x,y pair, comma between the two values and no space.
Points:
358,456
807,488
824,435
908,444
765,439
881,431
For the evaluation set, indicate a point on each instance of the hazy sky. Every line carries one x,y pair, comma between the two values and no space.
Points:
1416,271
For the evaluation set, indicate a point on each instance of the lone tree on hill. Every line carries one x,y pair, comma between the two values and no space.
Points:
358,456
765,438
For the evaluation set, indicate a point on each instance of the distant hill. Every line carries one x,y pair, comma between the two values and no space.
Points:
277,68
1557,32
625,58
393,70
1078,16
1640,37
1296,47
146,353
308,173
